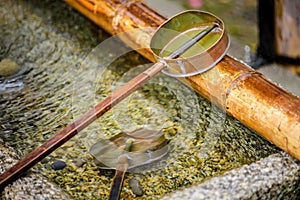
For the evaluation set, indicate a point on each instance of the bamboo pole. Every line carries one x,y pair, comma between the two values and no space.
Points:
242,92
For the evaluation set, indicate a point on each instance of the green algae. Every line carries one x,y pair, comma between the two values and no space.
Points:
53,43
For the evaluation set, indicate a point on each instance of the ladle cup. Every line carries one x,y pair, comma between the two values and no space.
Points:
184,41
125,151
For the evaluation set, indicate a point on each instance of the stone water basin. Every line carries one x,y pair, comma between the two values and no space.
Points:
64,72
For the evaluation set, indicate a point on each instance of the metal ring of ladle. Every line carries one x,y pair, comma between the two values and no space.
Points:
182,28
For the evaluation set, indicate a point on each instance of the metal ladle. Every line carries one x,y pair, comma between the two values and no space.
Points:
126,151
179,45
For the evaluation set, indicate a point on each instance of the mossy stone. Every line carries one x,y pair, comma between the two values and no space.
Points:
8,67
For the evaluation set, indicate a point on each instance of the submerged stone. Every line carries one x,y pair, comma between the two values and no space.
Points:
136,187
58,165
8,67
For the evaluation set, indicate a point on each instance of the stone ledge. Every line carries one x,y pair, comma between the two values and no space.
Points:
31,186
276,176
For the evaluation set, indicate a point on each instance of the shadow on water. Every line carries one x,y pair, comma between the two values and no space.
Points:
60,78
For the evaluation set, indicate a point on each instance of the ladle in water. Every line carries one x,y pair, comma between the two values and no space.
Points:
120,173
184,67
148,146
130,150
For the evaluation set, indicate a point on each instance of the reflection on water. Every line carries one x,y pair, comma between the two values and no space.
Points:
53,44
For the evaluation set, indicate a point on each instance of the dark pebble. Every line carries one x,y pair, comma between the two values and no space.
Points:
58,165
135,187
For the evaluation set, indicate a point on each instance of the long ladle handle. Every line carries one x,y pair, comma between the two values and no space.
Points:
72,129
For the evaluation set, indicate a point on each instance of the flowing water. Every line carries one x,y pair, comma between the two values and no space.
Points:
58,70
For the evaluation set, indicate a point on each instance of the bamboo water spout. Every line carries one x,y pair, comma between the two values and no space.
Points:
240,91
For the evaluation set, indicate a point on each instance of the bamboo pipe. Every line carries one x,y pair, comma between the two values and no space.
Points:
242,92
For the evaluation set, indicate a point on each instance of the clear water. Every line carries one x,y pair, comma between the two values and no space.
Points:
64,73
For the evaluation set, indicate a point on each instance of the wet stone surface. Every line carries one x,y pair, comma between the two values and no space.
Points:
274,177
63,73
32,186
